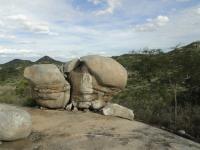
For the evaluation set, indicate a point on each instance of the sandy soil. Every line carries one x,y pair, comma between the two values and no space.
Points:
62,130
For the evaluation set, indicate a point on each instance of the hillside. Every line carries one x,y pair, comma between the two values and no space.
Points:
90,131
164,88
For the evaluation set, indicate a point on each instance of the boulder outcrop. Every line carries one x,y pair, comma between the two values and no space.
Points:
95,80
50,89
86,83
14,123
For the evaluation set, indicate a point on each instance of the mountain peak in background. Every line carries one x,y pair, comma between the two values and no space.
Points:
47,60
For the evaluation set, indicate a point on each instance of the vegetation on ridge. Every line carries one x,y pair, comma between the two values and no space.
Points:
164,88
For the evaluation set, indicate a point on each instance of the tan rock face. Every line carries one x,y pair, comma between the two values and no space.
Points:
95,81
50,89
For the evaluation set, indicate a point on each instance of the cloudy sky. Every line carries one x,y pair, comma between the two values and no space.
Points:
65,29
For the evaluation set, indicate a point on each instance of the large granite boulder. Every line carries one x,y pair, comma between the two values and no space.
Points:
106,70
94,80
50,89
14,123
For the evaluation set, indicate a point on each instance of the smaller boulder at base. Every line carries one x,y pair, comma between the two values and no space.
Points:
14,123
118,111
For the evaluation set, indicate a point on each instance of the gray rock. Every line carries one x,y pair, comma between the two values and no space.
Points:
181,132
14,123
118,111
69,107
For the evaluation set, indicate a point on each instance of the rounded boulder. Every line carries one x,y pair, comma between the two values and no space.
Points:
106,70
14,123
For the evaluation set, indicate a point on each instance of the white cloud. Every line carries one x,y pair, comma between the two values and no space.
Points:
152,24
198,11
81,32
7,37
183,0
5,50
30,24
1,23
111,6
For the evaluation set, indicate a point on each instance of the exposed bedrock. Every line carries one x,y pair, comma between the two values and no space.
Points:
49,87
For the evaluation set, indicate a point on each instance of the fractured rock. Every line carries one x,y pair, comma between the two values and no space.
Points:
118,111
50,89
14,123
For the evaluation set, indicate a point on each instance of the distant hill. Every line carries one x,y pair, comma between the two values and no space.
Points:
48,60
17,63
13,70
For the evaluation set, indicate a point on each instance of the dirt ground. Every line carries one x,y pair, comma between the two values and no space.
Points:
63,130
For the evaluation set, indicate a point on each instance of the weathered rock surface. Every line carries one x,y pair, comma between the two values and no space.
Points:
14,123
118,111
50,89
95,80
58,130
106,70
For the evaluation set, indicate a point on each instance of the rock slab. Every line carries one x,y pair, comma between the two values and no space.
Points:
58,130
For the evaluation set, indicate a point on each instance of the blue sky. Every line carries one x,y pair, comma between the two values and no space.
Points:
65,29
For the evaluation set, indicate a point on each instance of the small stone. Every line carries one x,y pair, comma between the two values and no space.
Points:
181,132
118,111
69,107
75,109
1,142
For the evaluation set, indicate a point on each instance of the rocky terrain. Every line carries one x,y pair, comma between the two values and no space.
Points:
62,130
153,76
